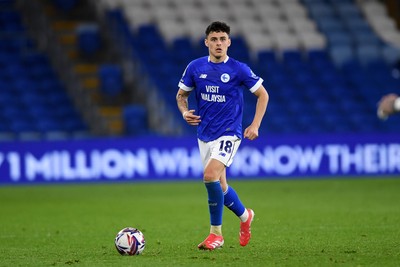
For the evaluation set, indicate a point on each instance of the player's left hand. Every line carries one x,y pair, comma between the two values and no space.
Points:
251,132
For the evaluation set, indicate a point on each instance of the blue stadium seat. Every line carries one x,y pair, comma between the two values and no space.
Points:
266,57
65,5
346,9
292,57
391,54
45,125
368,53
88,39
182,51
111,79
239,49
135,119
309,2
74,124
341,54
327,25
10,20
22,125
357,24
366,38
339,38
15,112
320,10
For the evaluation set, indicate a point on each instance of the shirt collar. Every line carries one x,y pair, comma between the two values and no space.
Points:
226,59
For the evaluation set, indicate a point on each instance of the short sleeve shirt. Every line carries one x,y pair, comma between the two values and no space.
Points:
219,94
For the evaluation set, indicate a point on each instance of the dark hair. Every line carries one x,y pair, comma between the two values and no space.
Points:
218,26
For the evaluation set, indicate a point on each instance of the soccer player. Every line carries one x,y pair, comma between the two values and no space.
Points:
388,105
218,82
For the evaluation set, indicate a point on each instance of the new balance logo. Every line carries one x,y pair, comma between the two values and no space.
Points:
203,76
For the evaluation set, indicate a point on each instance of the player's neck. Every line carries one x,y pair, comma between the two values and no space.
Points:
218,59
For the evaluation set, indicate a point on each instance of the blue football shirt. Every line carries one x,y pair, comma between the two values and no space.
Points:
219,94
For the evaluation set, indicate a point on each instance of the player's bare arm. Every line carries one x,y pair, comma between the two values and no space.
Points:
251,132
183,106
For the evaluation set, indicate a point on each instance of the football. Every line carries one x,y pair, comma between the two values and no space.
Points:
130,241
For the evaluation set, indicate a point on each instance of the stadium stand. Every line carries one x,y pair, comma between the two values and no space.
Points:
88,62
326,63
34,103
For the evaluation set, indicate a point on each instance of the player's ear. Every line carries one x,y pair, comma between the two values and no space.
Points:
206,42
229,42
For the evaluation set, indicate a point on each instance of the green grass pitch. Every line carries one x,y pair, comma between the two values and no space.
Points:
327,222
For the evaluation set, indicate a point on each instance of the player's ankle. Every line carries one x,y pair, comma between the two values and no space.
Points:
245,216
216,229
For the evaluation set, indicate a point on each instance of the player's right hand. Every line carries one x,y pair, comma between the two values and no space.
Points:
191,118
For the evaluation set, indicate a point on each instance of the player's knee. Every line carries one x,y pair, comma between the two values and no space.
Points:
210,176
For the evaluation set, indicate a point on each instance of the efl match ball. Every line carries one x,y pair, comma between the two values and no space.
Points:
130,241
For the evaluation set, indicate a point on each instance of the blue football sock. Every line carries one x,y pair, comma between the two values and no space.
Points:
232,201
215,202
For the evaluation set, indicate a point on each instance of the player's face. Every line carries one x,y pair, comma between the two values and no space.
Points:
218,43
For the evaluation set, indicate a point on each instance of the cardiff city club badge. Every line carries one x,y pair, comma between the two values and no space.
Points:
225,77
